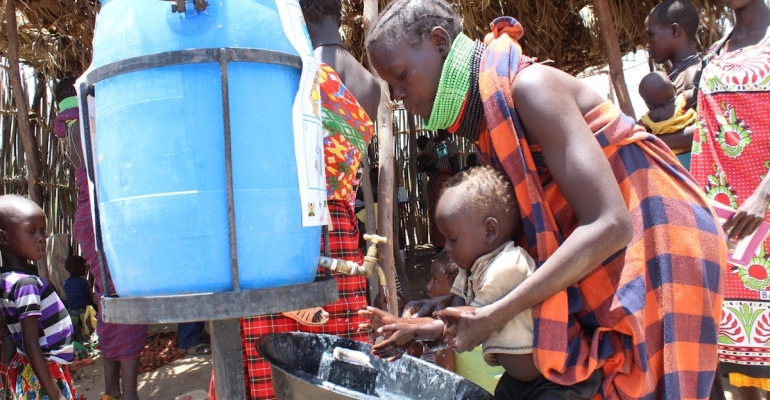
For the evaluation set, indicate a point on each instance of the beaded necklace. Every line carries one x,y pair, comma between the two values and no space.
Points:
453,84
470,122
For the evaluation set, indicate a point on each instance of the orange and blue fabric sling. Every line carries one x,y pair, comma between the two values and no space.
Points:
648,315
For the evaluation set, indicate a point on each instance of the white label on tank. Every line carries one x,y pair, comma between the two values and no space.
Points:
306,117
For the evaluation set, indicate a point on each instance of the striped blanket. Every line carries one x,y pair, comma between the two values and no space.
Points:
648,315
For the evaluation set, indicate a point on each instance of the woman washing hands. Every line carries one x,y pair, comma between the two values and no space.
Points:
600,201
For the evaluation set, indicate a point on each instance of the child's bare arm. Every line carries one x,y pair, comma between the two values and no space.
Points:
379,318
426,307
401,336
29,333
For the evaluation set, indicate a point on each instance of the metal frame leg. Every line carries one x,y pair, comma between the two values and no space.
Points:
227,352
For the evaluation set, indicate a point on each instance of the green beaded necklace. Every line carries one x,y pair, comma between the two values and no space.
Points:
453,85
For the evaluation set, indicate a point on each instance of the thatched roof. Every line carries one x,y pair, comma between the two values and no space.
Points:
56,35
560,30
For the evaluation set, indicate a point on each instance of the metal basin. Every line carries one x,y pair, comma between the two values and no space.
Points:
295,359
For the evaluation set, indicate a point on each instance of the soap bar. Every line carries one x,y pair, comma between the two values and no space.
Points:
356,377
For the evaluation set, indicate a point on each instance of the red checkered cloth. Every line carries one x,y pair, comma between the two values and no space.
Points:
648,315
116,341
343,317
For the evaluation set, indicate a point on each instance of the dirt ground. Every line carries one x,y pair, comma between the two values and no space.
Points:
185,375
190,375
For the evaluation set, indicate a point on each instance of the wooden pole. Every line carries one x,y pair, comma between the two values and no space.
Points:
610,38
387,173
371,218
412,194
27,138
22,116
397,258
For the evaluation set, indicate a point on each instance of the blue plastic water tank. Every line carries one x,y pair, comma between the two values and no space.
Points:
160,153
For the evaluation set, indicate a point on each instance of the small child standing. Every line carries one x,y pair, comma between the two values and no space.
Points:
478,213
442,275
469,365
78,291
668,112
35,315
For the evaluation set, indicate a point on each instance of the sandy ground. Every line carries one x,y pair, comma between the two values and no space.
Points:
185,375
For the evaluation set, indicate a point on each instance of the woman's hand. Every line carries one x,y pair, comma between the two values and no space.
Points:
466,327
426,307
747,217
399,338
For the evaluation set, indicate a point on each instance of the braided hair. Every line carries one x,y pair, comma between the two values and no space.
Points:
412,20
316,10
680,12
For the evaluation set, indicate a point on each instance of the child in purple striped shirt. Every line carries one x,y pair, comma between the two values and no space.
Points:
35,315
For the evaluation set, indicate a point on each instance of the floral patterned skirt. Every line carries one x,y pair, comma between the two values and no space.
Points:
24,385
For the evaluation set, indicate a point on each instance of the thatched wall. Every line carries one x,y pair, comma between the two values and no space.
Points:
57,181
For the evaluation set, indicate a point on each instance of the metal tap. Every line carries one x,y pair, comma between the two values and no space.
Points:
366,269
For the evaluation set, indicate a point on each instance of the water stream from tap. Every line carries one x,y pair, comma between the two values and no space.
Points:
385,298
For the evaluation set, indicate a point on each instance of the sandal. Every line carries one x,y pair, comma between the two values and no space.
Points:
316,316
200,349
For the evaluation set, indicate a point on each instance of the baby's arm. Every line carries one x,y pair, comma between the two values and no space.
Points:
29,333
400,336
379,318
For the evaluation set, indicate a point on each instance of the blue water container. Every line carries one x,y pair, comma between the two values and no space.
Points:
160,160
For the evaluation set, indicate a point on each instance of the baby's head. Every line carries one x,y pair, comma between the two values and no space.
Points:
442,275
76,265
656,89
22,228
477,212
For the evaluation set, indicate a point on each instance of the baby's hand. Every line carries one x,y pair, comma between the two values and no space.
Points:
378,318
399,337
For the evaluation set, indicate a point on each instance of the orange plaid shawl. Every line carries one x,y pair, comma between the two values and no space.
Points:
648,315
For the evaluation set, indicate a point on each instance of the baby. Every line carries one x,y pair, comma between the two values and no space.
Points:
668,112
478,213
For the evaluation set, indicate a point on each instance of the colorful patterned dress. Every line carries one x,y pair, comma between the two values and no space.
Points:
730,157
347,132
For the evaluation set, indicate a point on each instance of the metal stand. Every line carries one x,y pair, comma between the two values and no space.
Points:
222,309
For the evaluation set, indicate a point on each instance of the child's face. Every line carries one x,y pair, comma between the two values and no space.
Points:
440,284
465,234
26,235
